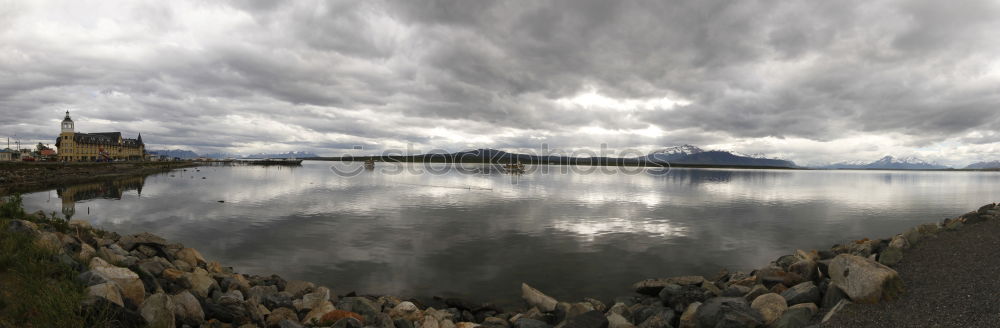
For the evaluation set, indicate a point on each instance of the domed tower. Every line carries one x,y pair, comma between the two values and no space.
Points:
67,124
65,143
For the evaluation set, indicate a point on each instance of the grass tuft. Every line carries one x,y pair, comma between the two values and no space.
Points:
36,288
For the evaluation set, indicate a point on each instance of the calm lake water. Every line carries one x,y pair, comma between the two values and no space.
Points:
479,233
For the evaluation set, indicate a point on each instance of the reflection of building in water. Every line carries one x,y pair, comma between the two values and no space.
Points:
106,189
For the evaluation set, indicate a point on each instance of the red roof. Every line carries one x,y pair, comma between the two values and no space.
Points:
48,152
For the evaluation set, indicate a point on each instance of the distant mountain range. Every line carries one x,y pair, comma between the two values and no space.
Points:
688,154
291,154
187,154
178,153
888,163
984,165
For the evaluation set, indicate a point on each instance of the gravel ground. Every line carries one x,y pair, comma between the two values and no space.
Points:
951,281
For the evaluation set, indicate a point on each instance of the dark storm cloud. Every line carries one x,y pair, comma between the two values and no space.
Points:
780,76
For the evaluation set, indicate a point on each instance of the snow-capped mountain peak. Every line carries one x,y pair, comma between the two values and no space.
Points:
888,162
888,159
857,162
679,150
754,155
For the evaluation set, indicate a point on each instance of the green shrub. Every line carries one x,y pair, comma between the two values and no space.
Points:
10,207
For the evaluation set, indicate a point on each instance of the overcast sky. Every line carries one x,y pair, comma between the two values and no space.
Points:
810,81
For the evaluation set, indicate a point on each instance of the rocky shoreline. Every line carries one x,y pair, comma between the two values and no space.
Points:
20,177
144,280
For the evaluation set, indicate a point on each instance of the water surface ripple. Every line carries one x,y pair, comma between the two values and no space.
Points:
479,235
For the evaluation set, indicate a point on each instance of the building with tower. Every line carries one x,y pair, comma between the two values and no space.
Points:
97,147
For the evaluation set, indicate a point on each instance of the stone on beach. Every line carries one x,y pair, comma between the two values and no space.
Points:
616,320
86,253
145,238
360,305
773,276
689,318
131,286
158,310
770,306
312,300
793,318
679,296
652,287
832,296
200,282
537,299
890,256
317,313
728,312
864,280
804,268
336,315
806,292
281,314
755,292
592,319
108,291
298,287
811,306
23,226
190,256
187,309
406,310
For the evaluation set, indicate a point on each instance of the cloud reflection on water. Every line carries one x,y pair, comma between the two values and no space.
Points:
572,235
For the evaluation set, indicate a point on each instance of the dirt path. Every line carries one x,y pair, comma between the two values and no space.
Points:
952,280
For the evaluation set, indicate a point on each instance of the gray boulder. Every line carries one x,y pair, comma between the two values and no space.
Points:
660,320
158,311
257,294
794,318
276,300
107,291
187,310
678,297
864,280
312,300
360,305
770,306
890,256
131,286
538,299
289,324
592,319
641,313
804,268
728,312
806,292
616,320
735,291
281,314
23,226
347,323
130,242
298,288
689,318
652,287
530,323
755,292
832,296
